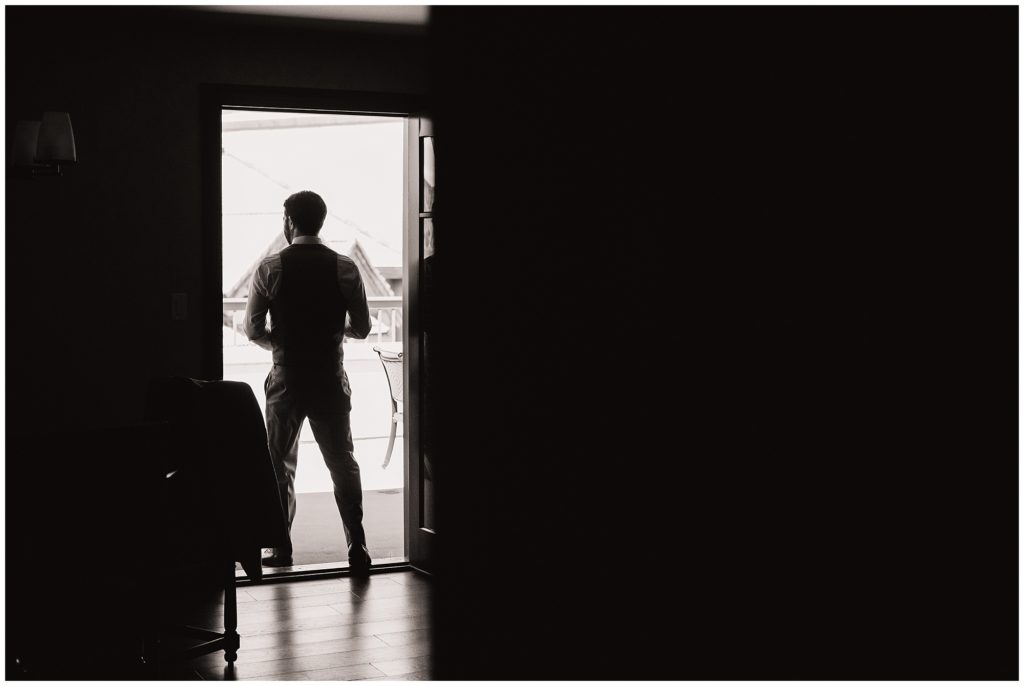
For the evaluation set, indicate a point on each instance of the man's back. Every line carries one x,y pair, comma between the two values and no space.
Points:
308,290
308,312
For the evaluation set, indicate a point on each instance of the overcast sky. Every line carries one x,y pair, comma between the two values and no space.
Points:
356,168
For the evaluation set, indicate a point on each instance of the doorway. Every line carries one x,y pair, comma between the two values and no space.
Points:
356,163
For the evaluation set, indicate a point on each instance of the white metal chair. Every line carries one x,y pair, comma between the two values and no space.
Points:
392,362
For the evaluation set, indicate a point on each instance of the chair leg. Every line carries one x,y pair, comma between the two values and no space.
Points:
230,616
391,440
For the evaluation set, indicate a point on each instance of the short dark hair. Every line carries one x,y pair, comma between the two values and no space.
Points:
307,211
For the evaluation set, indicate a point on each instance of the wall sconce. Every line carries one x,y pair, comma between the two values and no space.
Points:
41,147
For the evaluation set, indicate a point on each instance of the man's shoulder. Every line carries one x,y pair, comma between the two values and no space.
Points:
346,264
270,262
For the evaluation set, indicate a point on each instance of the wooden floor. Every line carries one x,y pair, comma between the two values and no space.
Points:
337,629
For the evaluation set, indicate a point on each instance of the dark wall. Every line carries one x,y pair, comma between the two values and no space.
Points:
93,256
814,475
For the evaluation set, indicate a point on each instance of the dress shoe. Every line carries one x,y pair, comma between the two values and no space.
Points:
359,561
251,563
277,558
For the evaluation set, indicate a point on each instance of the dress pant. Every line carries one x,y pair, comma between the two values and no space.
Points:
322,396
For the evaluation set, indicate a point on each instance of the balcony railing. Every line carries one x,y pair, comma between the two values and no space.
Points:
385,319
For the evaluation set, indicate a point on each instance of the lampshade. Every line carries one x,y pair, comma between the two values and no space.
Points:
26,136
56,139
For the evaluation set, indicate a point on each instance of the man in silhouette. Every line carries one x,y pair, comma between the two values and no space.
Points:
315,297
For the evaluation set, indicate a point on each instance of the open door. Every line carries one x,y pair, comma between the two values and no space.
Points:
418,277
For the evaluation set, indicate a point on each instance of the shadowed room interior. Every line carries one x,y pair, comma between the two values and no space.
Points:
127,218
731,290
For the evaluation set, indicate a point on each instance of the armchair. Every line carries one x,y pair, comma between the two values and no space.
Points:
220,501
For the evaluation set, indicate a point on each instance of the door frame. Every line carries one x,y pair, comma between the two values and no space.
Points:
419,538
213,98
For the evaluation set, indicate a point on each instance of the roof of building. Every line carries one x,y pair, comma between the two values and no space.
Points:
373,282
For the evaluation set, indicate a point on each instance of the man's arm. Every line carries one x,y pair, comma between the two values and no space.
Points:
355,295
256,311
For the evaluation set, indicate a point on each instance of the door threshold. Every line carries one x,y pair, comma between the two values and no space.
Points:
322,570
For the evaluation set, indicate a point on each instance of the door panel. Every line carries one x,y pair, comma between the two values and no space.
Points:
419,264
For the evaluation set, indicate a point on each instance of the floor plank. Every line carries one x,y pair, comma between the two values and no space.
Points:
295,589
383,628
353,604
259,612
285,650
353,673
216,619
415,676
397,638
312,663
285,603
331,595
409,578
241,596
335,619
408,665
348,673
390,589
